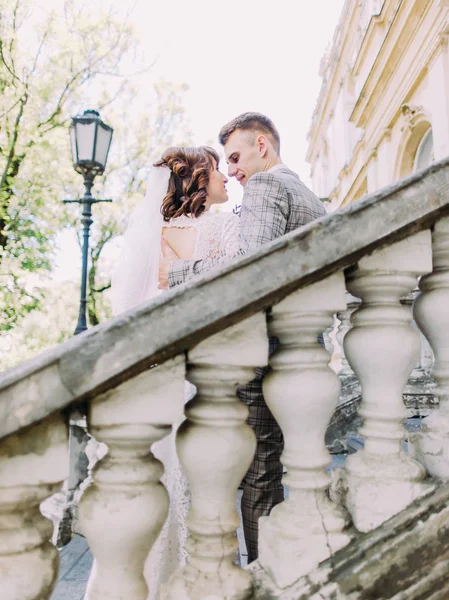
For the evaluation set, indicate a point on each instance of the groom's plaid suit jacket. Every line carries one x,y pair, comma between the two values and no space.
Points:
275,202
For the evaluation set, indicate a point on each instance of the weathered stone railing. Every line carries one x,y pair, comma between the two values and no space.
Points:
214,331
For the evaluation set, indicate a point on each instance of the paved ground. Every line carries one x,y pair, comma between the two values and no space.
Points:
75,565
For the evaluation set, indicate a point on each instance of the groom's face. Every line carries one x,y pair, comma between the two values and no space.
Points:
243,156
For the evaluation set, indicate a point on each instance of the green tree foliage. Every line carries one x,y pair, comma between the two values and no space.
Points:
47,57
40,329
51,61
54,64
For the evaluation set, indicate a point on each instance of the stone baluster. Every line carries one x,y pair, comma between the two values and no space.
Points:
432,315
33,464
425,360
215,448
344,316
302,393
122,512
426,357
329,337
382,348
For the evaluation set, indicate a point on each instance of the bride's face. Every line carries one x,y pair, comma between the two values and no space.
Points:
216,189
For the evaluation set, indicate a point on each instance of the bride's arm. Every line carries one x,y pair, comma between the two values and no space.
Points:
181,271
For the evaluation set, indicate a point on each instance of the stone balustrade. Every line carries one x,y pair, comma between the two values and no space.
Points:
214,332
434,300
302,393
382,347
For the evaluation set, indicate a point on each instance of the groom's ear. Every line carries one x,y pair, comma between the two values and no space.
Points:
262,144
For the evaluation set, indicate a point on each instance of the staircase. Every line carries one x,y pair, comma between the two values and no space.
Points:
354,536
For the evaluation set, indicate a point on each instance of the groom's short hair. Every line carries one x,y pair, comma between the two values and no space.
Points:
254,122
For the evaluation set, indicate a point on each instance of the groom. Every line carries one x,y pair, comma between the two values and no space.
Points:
275,202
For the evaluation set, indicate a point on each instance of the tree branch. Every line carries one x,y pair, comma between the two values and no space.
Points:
12,149
103,289
8,68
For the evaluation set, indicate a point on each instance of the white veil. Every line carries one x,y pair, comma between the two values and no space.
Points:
135,277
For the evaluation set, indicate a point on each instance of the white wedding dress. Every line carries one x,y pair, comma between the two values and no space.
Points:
217,235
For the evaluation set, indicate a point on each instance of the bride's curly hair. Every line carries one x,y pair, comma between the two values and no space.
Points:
190,172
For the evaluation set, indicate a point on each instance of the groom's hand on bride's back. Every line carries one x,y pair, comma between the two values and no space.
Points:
168,257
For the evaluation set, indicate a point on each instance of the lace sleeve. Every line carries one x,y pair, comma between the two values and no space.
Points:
230,235
218,242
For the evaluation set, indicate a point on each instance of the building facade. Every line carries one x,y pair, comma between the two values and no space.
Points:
383,108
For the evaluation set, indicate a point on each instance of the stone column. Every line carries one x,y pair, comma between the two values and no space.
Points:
425,360
432,315
215,447
382,348
344,316
302,393
33,464
122,512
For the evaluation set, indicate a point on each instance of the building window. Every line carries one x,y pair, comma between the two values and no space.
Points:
424,153
417,148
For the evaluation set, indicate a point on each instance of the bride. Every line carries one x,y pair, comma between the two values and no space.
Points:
174,218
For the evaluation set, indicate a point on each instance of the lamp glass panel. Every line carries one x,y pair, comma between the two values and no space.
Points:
85,134
73,144
103,140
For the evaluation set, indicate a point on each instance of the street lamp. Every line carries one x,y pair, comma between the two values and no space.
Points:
90,140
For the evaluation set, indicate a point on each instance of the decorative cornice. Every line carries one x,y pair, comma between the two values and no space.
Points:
440,45
386,135
331,61
416,72
377,18
389,56
337,189
354,186
359,147
370,155
330,69
412,115
444,38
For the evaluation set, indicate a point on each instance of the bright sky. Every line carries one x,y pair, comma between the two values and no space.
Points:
238,56
244,55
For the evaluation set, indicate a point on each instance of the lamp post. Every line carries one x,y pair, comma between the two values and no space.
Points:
90,140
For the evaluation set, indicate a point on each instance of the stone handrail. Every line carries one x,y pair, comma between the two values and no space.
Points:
129,344
131,372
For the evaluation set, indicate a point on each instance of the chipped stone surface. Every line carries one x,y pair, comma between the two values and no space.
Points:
122,512
106,355
382,349
304,529
215,427
33,464
404,559
432,315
